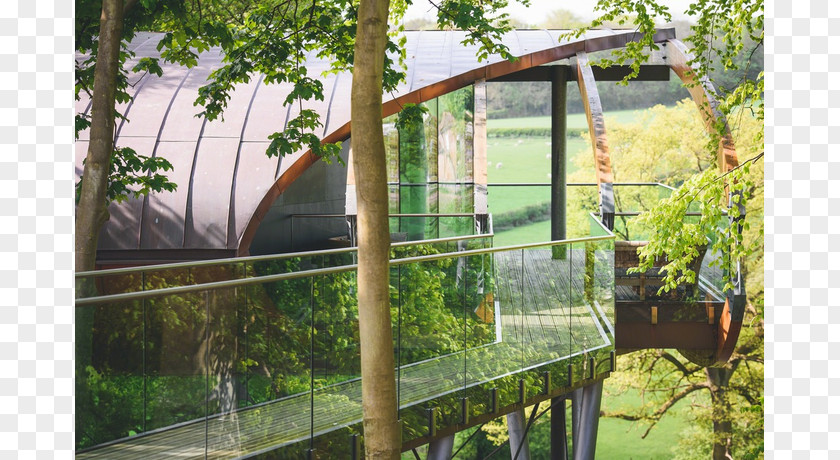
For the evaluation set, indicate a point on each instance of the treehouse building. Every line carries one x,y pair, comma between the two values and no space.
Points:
224,322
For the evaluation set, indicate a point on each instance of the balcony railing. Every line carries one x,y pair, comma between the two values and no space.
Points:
270,363
151,277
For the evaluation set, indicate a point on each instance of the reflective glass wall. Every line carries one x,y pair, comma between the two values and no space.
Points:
431,173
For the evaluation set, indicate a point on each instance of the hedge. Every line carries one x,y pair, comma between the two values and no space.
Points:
532,132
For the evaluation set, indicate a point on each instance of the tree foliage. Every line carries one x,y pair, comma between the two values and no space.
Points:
717,43
668,145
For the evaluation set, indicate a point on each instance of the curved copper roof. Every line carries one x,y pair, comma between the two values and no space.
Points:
226,182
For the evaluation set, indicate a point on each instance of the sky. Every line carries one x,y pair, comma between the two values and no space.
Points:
540,8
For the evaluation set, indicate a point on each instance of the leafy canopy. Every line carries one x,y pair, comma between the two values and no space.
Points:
270,40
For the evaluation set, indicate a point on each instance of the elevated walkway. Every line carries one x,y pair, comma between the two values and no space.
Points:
509,327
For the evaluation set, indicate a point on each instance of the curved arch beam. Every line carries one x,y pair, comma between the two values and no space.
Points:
433,90
703,93
598,136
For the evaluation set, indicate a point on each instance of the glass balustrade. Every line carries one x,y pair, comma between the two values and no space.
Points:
269,364
134,279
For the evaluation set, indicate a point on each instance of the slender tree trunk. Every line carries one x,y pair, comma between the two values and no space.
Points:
91,212
721,411
379,395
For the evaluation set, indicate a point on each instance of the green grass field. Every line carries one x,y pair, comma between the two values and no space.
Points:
526,160
619,439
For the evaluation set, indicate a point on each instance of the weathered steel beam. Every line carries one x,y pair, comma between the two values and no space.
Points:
586,410
441,448
558,154
651,72
598,135
559,445
518,435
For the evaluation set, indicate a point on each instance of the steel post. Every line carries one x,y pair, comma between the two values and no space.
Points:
586,409
558,156
559,443
516,432
441,448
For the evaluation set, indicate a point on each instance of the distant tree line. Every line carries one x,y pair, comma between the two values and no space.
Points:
531,99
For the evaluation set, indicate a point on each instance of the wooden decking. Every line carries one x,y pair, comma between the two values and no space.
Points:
542,316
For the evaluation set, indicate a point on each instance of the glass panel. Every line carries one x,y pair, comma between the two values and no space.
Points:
455,199
515,206
455,136
505,358
392,148
580,201
278,341
109,375
483,332
433,223
394,208
478,333
226,367
414,199
430,126
430,300
336,364
414,176
712,268
588,331
177,356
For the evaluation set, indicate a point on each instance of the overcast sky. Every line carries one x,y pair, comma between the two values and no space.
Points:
540,8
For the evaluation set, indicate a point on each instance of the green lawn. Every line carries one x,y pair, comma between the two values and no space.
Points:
523,160
622,438
534,233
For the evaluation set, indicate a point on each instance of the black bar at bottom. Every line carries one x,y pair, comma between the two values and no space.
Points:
494,400
355,447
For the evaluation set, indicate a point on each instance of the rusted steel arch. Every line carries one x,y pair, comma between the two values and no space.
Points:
432,90
598,136
703,93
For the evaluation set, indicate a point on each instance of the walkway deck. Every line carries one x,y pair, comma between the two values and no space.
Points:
543,319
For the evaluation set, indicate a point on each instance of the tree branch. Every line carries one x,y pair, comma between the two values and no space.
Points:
676,362
753,160
127,6
657,415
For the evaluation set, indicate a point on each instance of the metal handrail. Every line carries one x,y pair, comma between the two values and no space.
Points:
475,252
579,184
318,271
237,260
332,216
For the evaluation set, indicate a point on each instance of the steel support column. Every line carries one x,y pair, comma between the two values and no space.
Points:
441,448
558,153
586,409
559,444
516,431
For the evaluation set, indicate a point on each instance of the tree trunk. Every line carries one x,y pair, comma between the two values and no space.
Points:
379,395
718,379
91,212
